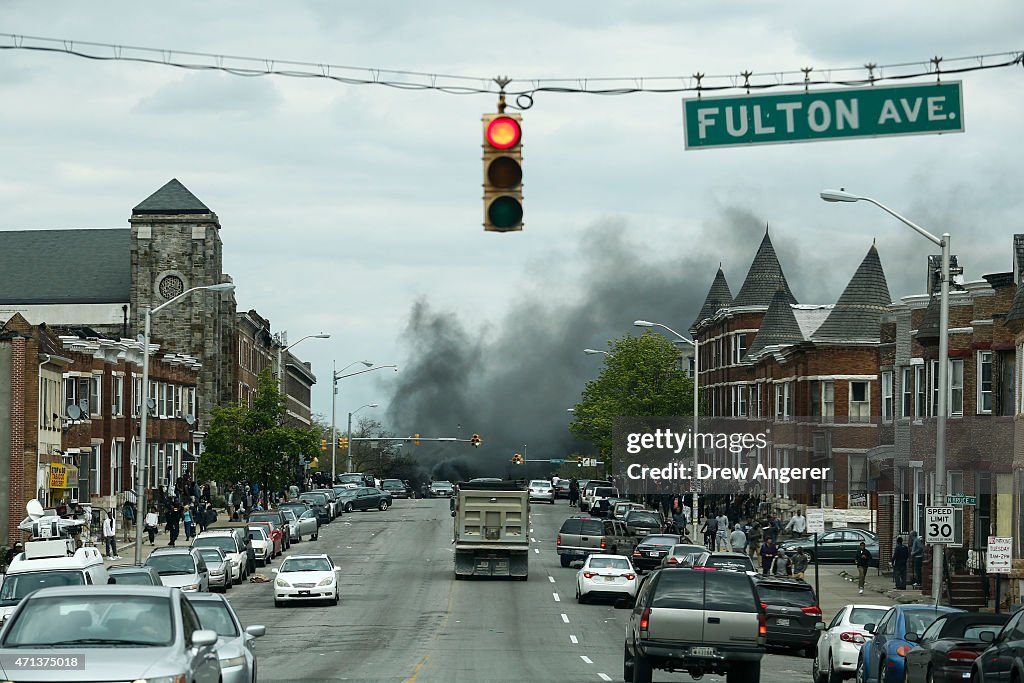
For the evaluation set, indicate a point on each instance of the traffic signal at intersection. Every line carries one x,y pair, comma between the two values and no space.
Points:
475,440
342,442
579,461
517,459
503,172
323,444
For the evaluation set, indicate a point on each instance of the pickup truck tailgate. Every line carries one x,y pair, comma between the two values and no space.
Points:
720,611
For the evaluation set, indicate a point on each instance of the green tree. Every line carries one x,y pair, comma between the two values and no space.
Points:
640,378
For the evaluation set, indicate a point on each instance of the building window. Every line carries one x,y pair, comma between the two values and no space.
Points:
94,470
860,402
887,397
955,483
858,481
984,382
828,400
920,409
116,466
815,400
956,386
741,400
739,348
95,394
117,404
1007,371
935,388
907,407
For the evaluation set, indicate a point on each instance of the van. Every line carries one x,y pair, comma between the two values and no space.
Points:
49,563
582,536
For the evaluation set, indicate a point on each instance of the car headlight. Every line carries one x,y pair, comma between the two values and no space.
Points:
281,583
191,587
236,561
177,678
327,582
233,661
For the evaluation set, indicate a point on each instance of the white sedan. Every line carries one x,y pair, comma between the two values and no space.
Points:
840,643
261,545
302,578
541,489
606,575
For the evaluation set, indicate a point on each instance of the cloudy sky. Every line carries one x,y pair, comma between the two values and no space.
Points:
356,209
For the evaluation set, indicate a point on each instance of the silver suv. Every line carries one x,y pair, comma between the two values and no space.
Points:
700,622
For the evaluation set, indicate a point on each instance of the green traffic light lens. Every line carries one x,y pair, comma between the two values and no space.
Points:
505,212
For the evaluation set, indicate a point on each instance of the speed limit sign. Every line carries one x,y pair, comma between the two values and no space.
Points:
940,527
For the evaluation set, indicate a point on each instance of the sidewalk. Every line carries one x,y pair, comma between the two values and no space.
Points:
839,588
127,549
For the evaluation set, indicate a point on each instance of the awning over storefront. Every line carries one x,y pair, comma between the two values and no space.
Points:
62,477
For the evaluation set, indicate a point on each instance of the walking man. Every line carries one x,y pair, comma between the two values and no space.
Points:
917,556
110,536
900,555
797,524
173,523
574,492
152,521
768,553
800,562
863,562
722,527
128,515
738,539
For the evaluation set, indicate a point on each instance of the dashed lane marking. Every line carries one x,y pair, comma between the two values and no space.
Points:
565,618
605,677
551,579
586,659
557,599
573,639
537,550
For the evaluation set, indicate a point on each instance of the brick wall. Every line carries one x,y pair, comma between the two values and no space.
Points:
16,504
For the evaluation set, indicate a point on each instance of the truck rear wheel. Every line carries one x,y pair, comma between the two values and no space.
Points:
749,672
565,559
643,672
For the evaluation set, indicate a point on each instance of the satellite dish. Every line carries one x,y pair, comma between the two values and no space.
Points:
190,419
34,509
141,338
74,412
151,403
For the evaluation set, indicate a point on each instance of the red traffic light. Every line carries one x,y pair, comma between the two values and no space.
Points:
503,133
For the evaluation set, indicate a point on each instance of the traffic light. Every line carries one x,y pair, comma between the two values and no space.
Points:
579,461
503,172
517,459
475,440
415,441
343,442
323,445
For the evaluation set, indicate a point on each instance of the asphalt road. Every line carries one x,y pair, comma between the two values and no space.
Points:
403,617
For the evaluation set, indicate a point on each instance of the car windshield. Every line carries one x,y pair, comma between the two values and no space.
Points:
919,620
350,478
605,492
865,615
688,550
660,540
214,615
742,564
609,563
211,555
785,596
314,498
258,534
442,484
225,543
306,564
643,518
133,579
92,621
540,483
273,519
172,564
17,586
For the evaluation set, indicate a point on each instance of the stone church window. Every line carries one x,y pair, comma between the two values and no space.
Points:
171,286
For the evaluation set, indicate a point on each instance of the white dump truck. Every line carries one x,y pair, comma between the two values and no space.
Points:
492,529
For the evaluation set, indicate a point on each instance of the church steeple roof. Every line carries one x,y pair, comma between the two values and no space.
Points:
778,327
764,278
172,199
857,315
719,296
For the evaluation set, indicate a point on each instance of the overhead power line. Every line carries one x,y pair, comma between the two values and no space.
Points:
523,88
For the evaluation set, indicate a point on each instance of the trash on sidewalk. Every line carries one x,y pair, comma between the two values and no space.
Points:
259,578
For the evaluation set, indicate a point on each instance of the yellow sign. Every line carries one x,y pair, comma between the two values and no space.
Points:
58,476
315,464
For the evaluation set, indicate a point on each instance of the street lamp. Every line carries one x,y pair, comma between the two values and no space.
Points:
939,485
696,401
140,492
335,376
368,405
592,352
284,346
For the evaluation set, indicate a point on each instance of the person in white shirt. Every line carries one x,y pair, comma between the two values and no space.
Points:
152,522
797,524
110,537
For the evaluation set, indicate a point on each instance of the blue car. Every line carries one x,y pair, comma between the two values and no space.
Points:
883,657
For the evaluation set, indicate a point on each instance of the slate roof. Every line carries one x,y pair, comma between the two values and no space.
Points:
65,266
171,199
764,278
1016,311
719,296
929,327
858,313
778,327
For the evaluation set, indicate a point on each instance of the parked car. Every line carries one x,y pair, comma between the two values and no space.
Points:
274,534
263,545
838,545
296,506
368,499
241,533
588,490
182,568
319,502
579,537
682,555
791,611
947,649
1002,660
694,621
302,578
309,525
227,541
840,642
293,525
441,489
134,575
562,488
219,566
396,487
887,648
736,562
332,501
606,575
147,634
644,522
235,645
278,521
649,553
620,509
542,491
600,502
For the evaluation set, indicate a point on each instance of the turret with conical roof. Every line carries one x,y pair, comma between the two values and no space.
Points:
857,315
719,296
778,327
764,278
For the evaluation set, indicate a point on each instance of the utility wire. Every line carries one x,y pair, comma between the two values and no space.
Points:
524,89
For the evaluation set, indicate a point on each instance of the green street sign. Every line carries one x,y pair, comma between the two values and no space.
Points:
961,500
872,111
557,462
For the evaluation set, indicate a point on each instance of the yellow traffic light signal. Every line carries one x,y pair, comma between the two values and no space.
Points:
415,441
503,172
517,459
475,440
342,442
323,444
579,461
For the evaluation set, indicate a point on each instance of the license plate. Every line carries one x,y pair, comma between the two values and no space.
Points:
303,592
609,578
782,622
654,554
702,651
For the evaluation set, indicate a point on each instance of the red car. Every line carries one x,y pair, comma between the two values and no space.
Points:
275,534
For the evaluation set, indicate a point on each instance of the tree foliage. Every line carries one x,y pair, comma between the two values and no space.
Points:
254,444
640,378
